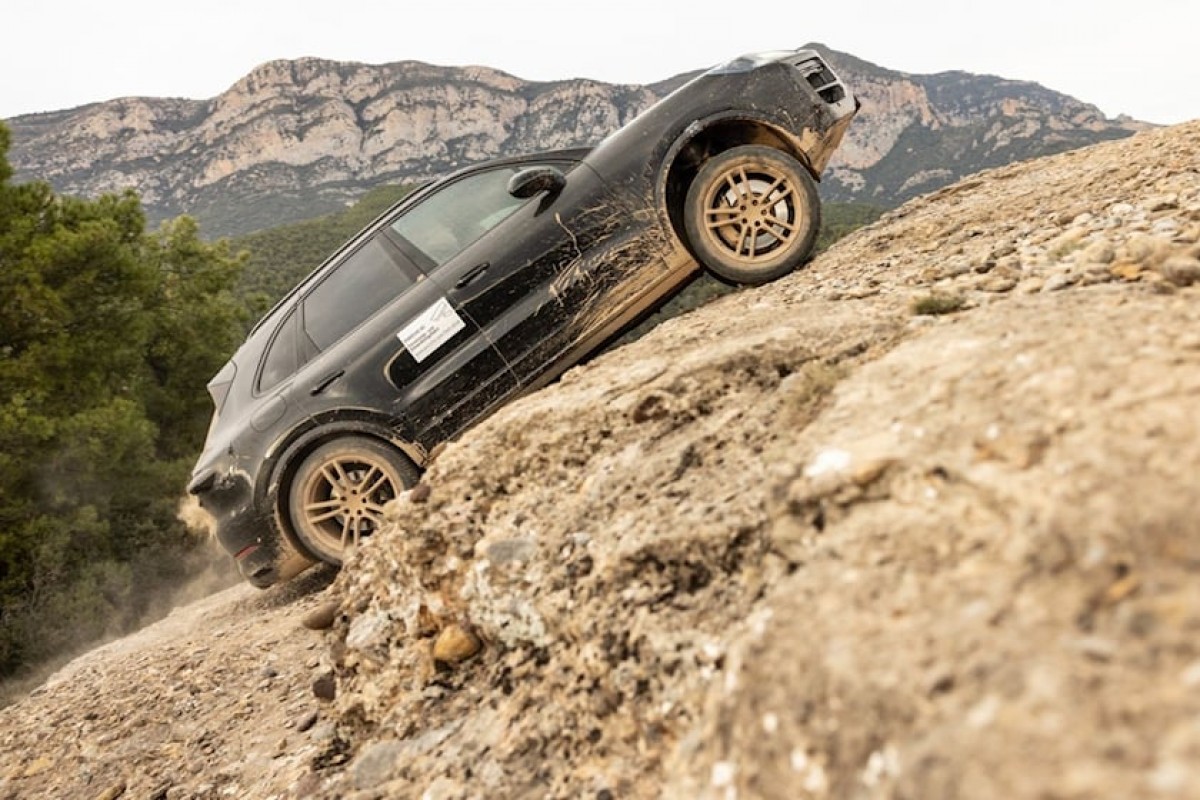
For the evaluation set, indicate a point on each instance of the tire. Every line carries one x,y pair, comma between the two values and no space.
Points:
752,215
337,495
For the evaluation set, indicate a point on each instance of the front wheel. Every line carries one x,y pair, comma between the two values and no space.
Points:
752,214
338,494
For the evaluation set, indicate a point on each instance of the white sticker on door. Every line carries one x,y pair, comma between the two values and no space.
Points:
431,329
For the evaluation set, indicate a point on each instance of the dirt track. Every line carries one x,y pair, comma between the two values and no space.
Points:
803,542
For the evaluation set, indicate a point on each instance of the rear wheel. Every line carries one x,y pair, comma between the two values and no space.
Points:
752,214
338,494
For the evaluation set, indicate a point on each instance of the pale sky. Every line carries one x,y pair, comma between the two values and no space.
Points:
1137,58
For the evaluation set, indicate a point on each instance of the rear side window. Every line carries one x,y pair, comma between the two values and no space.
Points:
361,285
280,359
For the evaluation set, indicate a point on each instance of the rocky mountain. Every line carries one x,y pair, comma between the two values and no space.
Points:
917,521
294,139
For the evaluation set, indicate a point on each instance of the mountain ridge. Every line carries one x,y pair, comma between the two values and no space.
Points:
296,138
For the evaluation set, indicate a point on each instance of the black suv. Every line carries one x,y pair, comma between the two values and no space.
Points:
488,284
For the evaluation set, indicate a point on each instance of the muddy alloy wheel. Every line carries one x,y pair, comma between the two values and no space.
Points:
338,493
752,214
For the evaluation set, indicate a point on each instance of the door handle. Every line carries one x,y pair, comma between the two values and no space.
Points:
326,382
472,274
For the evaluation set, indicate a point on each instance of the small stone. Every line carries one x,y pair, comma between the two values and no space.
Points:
983,713
1166,227
1191,675
1068,241
1096,648
308,785
112,792
1162,286
869,471
509,551
955,268
998,284
940,682
1170,777
376,764
1021,449
369,633
1165,202
1122,589
1126,271
1063,280
1096,273
653,406
419,493
1098,253
321,617
1009,265
1181,270
306,721
325,732
605,701
455,644
1067,215
443,788
1149,250
723,774
324,687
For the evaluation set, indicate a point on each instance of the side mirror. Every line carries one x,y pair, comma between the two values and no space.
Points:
534,180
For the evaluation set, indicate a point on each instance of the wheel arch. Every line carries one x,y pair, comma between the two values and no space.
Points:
706,138
290,452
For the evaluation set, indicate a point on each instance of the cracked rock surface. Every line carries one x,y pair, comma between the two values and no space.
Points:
920,520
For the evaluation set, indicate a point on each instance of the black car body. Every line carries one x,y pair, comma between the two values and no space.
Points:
488,284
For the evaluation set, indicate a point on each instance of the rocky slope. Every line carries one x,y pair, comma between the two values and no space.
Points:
917,521
297,138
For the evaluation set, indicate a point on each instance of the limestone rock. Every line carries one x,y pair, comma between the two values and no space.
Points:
325,131
456,643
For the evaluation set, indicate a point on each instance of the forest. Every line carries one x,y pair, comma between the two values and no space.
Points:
109,333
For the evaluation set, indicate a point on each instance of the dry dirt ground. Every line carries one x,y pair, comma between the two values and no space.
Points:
919,521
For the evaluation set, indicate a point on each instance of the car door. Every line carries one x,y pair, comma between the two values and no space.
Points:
474,239
531,273
376,333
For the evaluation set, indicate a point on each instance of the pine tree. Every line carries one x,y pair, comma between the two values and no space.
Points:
107,337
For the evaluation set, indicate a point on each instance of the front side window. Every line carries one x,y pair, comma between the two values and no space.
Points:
361,285
444,224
